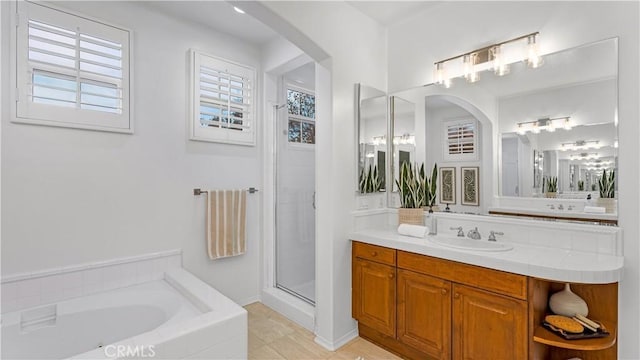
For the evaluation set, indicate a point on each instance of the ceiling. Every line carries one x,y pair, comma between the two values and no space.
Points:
304,76
220,15
217,15
391,12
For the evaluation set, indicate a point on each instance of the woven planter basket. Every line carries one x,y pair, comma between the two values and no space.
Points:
411,216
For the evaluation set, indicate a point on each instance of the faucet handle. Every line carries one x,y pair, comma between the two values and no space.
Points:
460,231
492,235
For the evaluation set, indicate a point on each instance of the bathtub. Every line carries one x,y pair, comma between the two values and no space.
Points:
177,317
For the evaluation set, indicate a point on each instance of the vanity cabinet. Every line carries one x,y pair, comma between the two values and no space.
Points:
444,309
487,325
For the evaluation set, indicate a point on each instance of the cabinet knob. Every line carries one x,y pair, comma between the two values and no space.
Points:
444,291
456,295
374,253
390,276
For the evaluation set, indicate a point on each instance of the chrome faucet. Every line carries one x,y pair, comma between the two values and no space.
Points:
492,235
460,231
474,234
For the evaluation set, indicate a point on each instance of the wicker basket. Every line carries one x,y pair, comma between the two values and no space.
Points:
610,205
411,216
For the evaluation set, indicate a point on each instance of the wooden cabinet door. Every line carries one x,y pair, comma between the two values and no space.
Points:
424,313
488,326
374,295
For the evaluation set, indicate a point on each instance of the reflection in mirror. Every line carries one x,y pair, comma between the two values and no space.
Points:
371,120
403,123
562,125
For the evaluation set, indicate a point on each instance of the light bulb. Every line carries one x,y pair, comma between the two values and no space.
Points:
521,130
469,67
499,66
551,127
441,76
567,124
534,60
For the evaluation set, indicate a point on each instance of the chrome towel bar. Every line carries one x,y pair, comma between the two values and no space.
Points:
198,191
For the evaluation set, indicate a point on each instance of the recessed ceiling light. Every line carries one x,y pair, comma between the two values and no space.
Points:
238,10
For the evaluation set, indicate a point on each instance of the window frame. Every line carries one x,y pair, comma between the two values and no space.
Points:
25,111
213,134
448,157
301,119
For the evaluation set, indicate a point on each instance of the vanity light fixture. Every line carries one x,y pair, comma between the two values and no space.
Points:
548,124
404,139
584,156
581,145
497,57
380,140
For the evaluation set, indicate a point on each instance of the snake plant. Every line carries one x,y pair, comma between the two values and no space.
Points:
370,181
607,184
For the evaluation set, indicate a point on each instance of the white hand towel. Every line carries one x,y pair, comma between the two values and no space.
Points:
594,209
413,230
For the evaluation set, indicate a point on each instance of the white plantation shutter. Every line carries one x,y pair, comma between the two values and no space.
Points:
222,100
461,140
72,71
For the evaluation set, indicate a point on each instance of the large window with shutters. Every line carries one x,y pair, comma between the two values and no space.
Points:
222,100
461,140
71,71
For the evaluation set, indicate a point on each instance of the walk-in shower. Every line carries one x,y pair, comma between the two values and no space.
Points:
295,184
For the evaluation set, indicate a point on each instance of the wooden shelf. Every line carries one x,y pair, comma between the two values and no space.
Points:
545,336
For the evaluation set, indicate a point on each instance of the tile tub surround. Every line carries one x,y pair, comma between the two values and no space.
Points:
21,291
554,264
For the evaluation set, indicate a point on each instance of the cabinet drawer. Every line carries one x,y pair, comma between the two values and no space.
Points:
492,280
374,253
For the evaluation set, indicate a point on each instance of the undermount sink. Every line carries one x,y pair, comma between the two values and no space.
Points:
464,243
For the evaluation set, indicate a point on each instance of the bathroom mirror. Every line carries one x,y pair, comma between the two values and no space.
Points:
563,126
403,125
371,134
578,83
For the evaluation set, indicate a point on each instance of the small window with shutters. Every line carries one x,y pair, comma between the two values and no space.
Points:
71,71
461,140
222,100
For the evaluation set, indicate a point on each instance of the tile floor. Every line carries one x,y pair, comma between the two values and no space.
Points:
272,336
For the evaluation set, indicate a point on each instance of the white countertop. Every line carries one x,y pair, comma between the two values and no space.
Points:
541,262
556,213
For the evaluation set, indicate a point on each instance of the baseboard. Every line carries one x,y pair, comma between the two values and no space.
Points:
338,343
248,301
290,306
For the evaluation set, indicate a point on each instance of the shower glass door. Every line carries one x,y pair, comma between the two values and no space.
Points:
295,194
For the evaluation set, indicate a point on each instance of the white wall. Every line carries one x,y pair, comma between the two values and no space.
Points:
356,46
452,28
74,196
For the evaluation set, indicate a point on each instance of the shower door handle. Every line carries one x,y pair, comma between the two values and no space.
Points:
313,200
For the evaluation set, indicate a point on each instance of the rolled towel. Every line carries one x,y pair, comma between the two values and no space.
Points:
595,209
413,230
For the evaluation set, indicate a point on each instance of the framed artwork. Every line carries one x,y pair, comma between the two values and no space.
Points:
447,185
470,186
